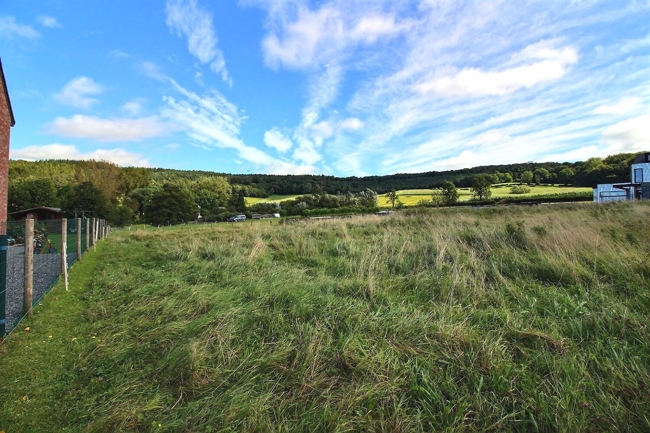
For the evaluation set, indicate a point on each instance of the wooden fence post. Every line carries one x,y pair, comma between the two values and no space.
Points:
29,266
79,239
94,234
64,251
86,220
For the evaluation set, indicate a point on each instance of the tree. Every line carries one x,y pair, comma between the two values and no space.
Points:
541,174
238,200
367,198
481,188
122,215
88,198
505,177
392,197
171,205
449,193
565,176
31,193
527,176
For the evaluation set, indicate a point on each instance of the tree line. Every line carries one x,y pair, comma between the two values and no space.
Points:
124,195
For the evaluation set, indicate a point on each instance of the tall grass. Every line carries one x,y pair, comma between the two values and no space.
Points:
428,320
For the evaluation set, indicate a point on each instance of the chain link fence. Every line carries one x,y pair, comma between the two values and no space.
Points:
23,290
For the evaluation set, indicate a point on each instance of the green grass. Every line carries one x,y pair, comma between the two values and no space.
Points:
276,198
504,319
412,197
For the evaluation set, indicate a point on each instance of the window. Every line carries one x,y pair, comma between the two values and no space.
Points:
638,175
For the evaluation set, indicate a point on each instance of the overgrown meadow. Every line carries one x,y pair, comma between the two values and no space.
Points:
503,319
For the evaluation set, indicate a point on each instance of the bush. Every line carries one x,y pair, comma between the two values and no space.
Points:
520,189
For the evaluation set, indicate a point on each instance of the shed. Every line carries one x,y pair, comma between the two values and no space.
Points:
38,214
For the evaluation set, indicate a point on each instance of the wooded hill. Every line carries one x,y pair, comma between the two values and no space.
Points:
128,194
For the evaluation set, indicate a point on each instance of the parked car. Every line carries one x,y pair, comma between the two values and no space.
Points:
237,219
11,241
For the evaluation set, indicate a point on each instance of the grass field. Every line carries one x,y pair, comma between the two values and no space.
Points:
504,319
276,198
412,197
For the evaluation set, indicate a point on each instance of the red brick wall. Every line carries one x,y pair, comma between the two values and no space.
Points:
5,125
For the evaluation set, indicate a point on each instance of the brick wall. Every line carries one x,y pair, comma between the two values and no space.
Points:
5,126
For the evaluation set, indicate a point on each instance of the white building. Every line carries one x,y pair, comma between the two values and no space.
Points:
637,189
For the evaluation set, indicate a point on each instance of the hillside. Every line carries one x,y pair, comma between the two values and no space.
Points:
160,196
504,319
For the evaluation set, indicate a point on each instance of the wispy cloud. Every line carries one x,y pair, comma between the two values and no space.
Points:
302,37
277,140
119,54
626,105
109,130
48,21
211,121
79,93
133,107
10,28
185,18
118,156
541,64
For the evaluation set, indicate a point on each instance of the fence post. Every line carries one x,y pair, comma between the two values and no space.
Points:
87,233
29,267
94,234
79,240
3,283
64,251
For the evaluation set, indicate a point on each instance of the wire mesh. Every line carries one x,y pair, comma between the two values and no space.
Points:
46,261
15,280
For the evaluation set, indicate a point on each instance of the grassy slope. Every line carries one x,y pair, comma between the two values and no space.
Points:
448,319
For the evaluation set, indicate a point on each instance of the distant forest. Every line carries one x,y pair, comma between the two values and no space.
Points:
128,194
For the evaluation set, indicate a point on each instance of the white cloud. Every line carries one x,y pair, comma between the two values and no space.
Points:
622,107
63,151
548,64
306,37
133,107
322,130
371,28
185,18
48,21
629,135
351,124
9,28
78,93
152,70
109,130
119,54
212,121
278,140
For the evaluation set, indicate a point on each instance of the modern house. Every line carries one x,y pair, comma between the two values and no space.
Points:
637,189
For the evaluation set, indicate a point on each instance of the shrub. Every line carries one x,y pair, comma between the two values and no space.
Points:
520,189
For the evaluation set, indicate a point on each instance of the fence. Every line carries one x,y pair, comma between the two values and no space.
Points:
33,255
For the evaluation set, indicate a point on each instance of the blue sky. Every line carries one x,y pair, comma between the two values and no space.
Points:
335,87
